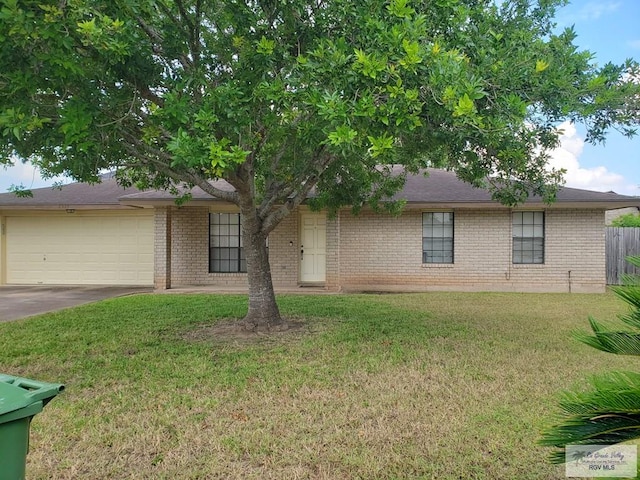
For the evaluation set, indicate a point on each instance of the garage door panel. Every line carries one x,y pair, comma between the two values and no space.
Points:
105,277
108,258
128,261
80,250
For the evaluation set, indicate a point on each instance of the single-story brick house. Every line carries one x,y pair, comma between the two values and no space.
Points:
450,236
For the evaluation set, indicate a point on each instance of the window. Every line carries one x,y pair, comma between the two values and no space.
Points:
437,237
226,248
528,237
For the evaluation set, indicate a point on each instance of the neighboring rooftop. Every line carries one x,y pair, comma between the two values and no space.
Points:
438,188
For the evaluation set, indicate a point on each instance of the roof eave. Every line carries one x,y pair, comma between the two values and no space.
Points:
596,205
69,206
155,203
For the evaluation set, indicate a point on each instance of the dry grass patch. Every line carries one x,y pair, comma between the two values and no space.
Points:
439,385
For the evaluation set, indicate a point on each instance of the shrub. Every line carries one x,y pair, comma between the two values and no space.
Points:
627,220
609,413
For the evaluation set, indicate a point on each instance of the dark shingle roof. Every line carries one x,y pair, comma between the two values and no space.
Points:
105,193
439,188
197,194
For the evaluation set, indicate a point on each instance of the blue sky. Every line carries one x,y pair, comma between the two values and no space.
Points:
608,28
611,30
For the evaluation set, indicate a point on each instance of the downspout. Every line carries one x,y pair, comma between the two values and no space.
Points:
569,279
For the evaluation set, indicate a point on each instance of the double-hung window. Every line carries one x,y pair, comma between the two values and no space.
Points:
226,248
437,237
528,237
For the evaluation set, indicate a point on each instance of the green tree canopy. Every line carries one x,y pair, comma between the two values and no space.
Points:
282,98
626,220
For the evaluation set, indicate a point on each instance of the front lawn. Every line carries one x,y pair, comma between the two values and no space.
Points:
438,385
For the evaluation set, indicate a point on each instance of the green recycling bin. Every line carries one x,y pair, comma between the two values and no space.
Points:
20,400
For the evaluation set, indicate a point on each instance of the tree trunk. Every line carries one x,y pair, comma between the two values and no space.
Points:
263,311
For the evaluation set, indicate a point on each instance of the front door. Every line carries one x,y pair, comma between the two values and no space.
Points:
313,243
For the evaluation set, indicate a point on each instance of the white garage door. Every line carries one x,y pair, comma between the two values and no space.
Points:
79,249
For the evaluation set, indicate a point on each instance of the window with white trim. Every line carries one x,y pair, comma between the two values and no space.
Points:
226,246
437,237
528,237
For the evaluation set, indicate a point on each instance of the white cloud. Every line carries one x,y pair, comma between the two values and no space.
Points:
598,178
635,44
595,10
24,174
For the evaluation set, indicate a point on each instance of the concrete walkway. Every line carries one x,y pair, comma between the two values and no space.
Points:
25,301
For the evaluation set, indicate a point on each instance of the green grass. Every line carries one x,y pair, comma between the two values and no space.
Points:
438,385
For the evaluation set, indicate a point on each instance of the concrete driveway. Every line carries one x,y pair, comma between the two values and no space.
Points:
24,301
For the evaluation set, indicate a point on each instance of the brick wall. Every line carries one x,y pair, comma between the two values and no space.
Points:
283,252
574,253
190,245
189,264
162,248
382,252
3,263
333,254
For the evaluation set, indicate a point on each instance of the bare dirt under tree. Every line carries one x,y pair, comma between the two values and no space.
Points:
235,331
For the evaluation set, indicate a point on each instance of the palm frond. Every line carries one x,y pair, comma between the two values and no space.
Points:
607,414
634,260
628,292
621,381
598,430
620,343
632,318
612,399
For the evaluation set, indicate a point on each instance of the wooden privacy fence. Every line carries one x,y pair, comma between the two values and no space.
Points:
621,242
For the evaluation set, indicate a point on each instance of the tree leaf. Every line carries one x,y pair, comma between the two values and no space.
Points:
541,66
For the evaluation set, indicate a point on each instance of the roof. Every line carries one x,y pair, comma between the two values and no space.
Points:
438,189
443,187
164,197
73,195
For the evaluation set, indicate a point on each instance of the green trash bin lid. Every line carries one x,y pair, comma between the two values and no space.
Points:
18,393
12,399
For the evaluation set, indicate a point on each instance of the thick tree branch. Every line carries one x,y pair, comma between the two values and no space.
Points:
243,180
154,36
161,161
185,176
146,93
273,187
184,60
273,214
157,41
264,138
184,15
195,37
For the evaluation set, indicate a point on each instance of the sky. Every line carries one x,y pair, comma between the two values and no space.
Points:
607,28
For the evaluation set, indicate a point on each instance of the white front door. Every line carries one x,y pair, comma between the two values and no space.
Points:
313,244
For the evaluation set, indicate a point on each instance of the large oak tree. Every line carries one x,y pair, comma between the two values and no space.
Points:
282,98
